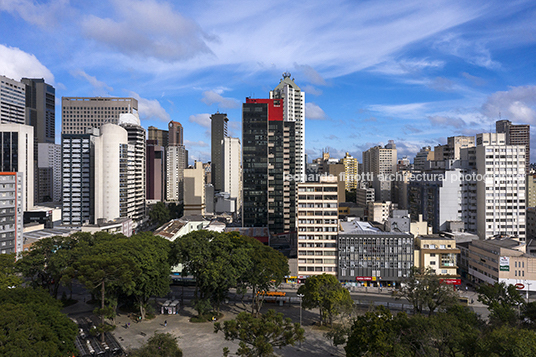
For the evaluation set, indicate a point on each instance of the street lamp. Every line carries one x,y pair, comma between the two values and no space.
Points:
300,296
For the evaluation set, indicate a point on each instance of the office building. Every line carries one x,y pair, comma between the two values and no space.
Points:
158,135
194,190
79,113
317,227
351,166
381,162
437,253
425,154
176,162
49,173
11,212
269,167
516,135
451,150
232,169
218,131
372,257
12,101
41,109
155,169
175,134
293,111
530,181
17,155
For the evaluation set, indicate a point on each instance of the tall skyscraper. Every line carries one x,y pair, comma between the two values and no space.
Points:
218,131
232,169
17,155
176,162
516,135
41,109
351,166
155,170
159,135
381,161
269,166
12,101
293,111
49,172
79,113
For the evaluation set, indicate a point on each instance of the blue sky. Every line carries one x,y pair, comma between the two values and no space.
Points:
412,71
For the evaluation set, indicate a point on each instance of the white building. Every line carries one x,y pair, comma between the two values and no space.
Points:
294,111
317,226
12,101
501,195
11,212
49,166
175,165
17,155
381,163
232,169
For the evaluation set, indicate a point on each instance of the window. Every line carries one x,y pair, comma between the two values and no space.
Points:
432,262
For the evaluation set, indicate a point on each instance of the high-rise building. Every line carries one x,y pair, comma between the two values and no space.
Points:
41,109
516,135
232,169
155,169
12,101
293,111
158,135
425,154
268,169
351,166
451,150
11,212
317,227
176,162
218,131
194,190
49,172
175,133
381,162
17,155
79,113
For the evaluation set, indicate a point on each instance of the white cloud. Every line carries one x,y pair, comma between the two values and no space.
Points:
150,108
149,29
199,143
410,110
407,66
474,52
98,85
309,89
212,97
201,119
43,15
517,104
310,74
16,64
444,121
314,112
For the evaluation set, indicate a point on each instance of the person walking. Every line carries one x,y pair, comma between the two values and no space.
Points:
165,323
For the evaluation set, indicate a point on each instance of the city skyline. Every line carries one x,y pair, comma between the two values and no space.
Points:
414,72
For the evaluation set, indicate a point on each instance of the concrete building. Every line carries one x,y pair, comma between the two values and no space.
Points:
194,190
317,227
379,211
41,109
398,221
176,162
531,223
293,101
351,166
232,169
373,257
516,135
79,113
425,154
381,162
437,253
269,167
17,155
530,182
12,101
218,131
501,196
155,170
364,195
49,173
451,151
158,135
11,212
501,260
175,134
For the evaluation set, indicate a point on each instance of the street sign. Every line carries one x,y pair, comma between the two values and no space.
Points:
520,286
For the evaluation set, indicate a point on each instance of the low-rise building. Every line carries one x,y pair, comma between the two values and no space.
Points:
437,253
373,257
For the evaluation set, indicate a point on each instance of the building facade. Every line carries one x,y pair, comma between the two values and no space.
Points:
12,101
381,163
218,131
351,170
194,190
437,253
49,173
516,135
232,169
155,170
11,212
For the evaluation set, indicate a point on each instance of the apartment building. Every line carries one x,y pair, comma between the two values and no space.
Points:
437,253
11,212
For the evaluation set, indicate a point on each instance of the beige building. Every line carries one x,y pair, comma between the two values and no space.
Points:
502,260
420,227
317,227
351,167
531,190
437,253
79,113
378,211
381,162
194,190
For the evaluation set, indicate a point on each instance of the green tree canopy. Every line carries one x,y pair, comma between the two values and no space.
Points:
508,341
31,324
503,301
325,293
159,213
159,345
8,274
259,335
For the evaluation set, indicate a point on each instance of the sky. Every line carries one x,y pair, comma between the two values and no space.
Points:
415,72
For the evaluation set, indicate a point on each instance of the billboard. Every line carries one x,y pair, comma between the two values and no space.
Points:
504,263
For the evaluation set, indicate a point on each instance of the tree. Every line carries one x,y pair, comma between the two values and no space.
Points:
31,324
528,315
8,274
175,210
503,301
424,289
350,196
159,213
150,255
259,335
159,345
508,341
268,270
325,293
